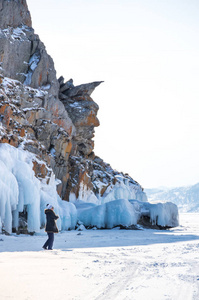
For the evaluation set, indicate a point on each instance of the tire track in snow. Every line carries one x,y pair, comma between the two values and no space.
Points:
165,275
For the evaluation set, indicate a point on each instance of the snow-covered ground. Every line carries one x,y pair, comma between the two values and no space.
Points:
103,264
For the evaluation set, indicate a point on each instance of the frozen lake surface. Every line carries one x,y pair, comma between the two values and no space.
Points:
103,264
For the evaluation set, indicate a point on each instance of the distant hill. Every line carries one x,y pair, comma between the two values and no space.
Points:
186,198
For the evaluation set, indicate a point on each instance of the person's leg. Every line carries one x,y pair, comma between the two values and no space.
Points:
51,240
47,242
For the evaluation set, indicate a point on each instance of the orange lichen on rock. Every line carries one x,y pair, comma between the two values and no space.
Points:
93,120
2,108
103,189
55,110
5,140
21,132
31,117
90,120
64,124
40,169
14,141
68,148
7,112
1,57
86,180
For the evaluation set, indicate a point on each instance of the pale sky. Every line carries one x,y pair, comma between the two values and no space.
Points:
147,52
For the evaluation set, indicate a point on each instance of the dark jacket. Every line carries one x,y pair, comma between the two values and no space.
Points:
50,221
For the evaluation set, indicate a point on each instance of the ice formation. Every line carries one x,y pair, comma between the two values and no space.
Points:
162,214
108,215
122,204
123,189
126,213
21,191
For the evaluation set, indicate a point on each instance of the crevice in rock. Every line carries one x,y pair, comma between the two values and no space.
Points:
33,63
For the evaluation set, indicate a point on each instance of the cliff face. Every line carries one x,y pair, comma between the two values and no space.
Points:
50,117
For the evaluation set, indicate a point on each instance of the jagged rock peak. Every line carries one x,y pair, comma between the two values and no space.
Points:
83,112
23,56
14,13
68,90
83,89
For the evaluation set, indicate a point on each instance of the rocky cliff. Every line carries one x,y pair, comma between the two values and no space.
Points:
49,116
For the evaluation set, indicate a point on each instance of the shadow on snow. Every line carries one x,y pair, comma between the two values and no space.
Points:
66,241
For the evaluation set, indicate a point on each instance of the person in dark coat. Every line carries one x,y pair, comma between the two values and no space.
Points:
51,226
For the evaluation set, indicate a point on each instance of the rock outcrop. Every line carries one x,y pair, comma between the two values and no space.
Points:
22,55
83,112
50,117
14,14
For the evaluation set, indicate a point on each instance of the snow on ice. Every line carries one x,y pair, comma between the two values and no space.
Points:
21,191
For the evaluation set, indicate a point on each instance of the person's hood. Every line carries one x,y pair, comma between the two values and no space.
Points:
49,206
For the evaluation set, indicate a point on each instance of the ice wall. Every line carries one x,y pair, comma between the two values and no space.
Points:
20,190
161,214
126,213
108,215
